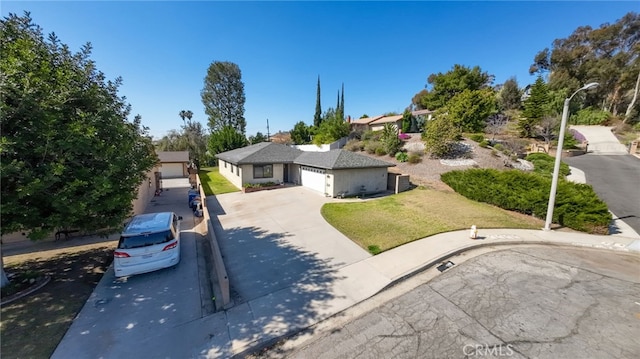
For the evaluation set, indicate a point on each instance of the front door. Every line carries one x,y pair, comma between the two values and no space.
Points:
285,175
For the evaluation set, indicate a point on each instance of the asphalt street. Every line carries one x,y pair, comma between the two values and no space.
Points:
523,302
616,180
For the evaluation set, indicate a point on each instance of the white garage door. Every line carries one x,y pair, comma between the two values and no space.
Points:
313,178
171,170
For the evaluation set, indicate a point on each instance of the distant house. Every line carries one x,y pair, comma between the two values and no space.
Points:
173,164
332,173
362,124
377,123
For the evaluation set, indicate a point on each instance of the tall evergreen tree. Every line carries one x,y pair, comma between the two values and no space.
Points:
317,118
510,95
535,108
223,96
340,110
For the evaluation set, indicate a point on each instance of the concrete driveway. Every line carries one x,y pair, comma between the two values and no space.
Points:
277,240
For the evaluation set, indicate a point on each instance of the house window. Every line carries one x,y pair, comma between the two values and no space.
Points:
237,170
225,164
264,171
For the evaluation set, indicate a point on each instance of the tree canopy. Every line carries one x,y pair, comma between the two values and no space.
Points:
469,110
445,86
226,139
300,134
70,158
223,97
317,117
607,55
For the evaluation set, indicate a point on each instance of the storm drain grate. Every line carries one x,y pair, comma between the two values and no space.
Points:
446,265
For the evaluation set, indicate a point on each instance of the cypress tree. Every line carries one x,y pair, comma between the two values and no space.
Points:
317,118
341,112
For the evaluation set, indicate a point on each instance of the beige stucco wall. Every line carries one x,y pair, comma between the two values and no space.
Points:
146,192
351,180
244,174
231,172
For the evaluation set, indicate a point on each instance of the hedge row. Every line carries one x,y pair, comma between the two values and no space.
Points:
577,205
543,164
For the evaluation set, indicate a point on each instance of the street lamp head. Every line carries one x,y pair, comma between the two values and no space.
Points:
590,86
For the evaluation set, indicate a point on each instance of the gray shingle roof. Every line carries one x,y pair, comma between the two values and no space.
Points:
339,159
260,153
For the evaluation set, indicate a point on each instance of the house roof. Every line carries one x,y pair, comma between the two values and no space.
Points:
339,159
365,120
421,112
264,152
387,119
173,156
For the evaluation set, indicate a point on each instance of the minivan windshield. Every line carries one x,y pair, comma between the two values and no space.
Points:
145,239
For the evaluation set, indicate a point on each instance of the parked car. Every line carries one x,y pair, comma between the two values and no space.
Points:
148,243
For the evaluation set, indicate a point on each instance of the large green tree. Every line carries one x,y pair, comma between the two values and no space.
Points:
510,96
470,109
300,134
226,139
223,96
445,86
536,107
607,55
331,129
70,158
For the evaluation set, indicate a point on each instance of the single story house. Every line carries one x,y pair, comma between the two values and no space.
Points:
332,173
363,123
173,164
378,124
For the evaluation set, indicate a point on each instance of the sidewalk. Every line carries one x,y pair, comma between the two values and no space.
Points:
249,328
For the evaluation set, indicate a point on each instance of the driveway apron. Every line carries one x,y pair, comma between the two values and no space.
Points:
277,239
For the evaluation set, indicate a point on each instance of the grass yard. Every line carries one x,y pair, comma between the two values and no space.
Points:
33,326
214,183
382,224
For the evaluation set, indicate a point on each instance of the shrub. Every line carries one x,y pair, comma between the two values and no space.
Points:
354,145
499,147
380,151
477,137
589,116
372,146
577,205
484,144
414,158
404,136
371,135
402,156
543,164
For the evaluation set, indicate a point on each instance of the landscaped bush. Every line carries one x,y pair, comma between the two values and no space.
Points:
484,144
402,156
499,147
577,205
543,164
414,158
371,135
404,136
380,151
372,146
354,145
590,116
477,137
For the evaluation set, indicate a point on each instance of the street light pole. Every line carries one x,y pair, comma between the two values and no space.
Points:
556,166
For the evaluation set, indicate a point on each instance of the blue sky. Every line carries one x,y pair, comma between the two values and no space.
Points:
383,52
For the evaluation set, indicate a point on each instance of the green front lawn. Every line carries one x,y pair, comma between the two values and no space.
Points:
214,183
385,223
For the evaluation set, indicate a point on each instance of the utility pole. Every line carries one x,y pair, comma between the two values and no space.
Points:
268,135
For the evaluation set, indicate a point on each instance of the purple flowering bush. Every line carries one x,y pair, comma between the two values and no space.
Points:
404,136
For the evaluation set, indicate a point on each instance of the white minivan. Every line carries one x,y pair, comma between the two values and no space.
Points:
149,242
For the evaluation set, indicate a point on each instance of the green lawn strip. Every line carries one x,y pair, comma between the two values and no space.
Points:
214,183
398,219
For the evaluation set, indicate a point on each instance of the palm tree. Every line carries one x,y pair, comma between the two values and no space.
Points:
188,114
183,114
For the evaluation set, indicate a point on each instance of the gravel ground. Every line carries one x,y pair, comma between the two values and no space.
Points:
429,170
